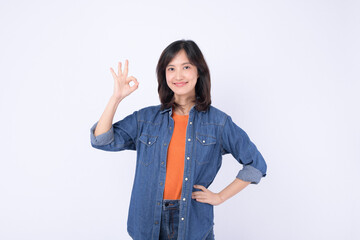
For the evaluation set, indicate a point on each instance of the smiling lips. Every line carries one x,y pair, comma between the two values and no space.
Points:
180,84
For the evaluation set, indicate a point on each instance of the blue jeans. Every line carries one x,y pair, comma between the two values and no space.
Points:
170,221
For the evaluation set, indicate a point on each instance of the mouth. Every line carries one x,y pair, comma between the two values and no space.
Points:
180,84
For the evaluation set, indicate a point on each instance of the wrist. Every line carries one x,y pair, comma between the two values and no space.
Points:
221,197
115,99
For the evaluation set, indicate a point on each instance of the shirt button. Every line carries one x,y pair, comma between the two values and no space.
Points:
160,183
189,139
158,203
186,179
190,122
170,128
184,199
188,158
162,162
164,144
182,219
203,141
149,142
156,222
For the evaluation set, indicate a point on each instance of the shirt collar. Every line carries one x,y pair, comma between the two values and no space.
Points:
165,110
170,109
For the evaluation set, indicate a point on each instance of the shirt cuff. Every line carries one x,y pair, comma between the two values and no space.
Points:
250,174
102,139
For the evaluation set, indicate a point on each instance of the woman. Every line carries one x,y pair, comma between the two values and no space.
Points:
179,146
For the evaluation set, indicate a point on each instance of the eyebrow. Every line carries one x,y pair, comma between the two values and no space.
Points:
181,64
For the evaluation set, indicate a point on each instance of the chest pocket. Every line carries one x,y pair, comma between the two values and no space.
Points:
147,147
205,146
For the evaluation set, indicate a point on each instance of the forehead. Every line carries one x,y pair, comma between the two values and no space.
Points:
179,58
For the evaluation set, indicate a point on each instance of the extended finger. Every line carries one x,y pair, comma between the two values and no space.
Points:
126,68
119,69
113,73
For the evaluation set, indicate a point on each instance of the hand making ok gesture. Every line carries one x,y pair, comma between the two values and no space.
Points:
122,86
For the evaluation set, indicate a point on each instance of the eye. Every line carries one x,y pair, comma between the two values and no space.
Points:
170,69
187,67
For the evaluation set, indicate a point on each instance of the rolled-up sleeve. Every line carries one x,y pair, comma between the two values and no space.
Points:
121,136
235,140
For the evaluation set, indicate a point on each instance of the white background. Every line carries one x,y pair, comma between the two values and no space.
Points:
286,71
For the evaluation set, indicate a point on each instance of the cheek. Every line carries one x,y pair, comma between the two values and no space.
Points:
192,76
168,82
168,76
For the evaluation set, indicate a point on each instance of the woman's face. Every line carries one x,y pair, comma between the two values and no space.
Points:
181,76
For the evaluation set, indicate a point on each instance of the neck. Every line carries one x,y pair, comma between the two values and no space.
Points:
186,103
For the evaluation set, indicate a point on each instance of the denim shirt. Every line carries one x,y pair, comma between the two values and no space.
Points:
209,135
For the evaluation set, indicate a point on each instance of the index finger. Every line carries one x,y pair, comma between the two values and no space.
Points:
200,187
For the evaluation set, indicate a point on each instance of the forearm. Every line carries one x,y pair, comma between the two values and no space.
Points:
106,119
233,188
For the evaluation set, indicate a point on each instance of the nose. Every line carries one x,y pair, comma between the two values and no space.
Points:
178,75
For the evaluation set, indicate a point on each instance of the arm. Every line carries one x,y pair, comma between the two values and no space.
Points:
234,140
106,119
121,135
121,90
207,196
233,188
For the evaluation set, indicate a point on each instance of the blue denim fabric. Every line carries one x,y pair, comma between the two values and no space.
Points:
209,135
170,221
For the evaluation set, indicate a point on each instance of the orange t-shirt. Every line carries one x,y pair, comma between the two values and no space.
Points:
175,158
